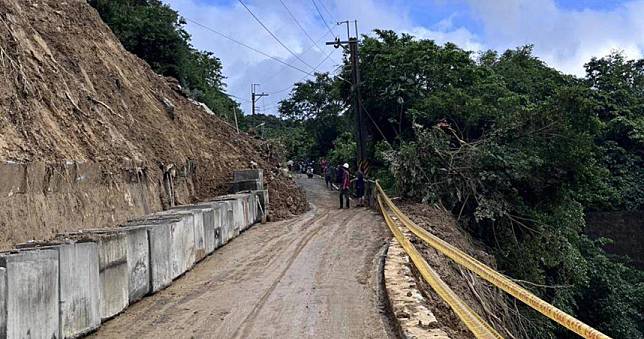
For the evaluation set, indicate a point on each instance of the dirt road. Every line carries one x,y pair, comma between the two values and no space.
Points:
311,276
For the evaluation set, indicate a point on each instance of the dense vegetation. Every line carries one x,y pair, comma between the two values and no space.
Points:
517,150
154,32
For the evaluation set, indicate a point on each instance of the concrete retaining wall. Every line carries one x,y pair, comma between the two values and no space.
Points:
67,288
160,249
32,299
113,273
138,263
79,289
3,301
249,175
198,225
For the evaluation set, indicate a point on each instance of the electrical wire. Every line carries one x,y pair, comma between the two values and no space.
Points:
273,35
321,16
316,67
297,22
279,71
247,46
325,9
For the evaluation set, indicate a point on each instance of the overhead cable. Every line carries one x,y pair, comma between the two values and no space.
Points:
247,46
273,35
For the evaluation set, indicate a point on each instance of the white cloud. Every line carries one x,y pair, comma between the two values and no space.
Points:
565,39
243,67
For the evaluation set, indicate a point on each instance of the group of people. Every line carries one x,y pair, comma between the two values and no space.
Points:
341,176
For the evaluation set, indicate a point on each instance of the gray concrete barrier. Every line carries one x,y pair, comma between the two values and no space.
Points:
79,289
239,211
199,225
31,298
209,230
262,199
78,285
65,289
112,267
138,263
3,302
113,272
249,175
182,242
160,249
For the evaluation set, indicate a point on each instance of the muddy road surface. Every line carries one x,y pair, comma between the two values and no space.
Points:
315,275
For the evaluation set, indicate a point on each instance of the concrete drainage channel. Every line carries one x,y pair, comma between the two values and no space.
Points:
67,287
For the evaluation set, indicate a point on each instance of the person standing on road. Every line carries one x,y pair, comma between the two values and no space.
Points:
345,185
360,188
327,176
338,176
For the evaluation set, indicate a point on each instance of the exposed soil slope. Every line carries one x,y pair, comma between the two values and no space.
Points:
486,300
70,91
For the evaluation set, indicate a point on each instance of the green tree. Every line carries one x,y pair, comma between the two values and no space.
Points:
155,32
318,106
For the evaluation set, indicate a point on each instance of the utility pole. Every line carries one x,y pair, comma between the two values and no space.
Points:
352,43
235,114
256,96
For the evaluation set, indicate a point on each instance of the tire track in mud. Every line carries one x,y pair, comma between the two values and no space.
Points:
312,276
248,322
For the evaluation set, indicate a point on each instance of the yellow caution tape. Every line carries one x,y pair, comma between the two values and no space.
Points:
495,278
474,323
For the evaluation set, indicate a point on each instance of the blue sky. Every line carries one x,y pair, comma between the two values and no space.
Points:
565,33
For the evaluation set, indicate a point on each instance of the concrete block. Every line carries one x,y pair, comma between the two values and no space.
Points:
31,294
113,273
225,220
247,185
3,301
79,289
199,228
218,211
208,217
262,199
182,241
138,263
251,174
239,215
160,249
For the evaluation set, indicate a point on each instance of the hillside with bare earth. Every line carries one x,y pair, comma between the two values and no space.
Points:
90,135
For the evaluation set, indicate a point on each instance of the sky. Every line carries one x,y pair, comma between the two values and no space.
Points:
565,33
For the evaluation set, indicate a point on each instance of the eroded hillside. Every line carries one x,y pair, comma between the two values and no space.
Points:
72,98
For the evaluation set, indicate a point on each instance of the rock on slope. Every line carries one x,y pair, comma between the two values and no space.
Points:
70,92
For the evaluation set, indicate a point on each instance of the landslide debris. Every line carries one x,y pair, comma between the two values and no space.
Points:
70,91
492,304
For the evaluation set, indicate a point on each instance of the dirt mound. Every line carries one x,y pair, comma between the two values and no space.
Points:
492,304
70,91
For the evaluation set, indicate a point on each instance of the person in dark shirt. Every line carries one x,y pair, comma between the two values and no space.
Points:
338,175
360,186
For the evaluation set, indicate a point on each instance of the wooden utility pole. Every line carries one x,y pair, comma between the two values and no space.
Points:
352,43
255,96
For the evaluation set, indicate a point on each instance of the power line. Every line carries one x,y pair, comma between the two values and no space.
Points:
320,14
316,67
273,35
297,22
279,71
325,9
247,46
